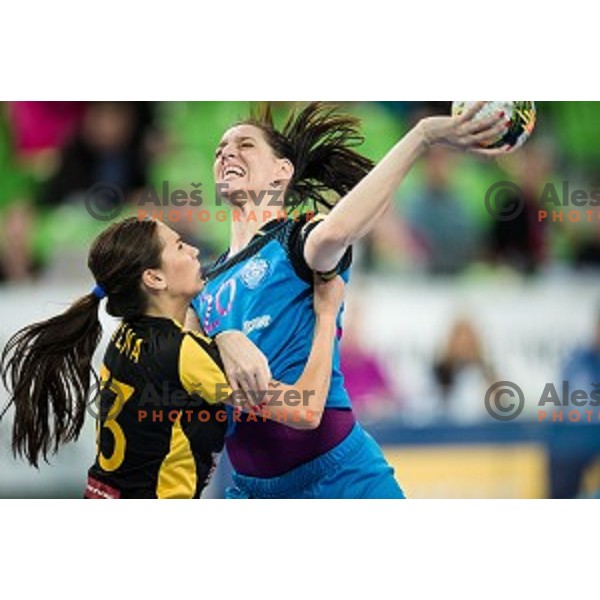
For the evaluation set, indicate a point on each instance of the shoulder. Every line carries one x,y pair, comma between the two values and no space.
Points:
198,351
196,339
299,233
158,333
150,343
201,370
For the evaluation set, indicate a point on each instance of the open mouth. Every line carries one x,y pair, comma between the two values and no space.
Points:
231,172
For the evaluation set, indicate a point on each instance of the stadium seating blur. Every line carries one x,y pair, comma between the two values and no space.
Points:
444,299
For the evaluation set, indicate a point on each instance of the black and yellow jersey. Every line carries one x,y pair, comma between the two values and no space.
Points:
160,418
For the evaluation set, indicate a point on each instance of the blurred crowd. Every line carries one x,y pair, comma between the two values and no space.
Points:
52,153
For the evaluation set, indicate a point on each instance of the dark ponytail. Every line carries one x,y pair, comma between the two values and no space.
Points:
47,366
320,143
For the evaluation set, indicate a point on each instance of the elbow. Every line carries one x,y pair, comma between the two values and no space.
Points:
304,420
312,419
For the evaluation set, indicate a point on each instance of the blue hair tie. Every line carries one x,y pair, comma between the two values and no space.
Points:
99,292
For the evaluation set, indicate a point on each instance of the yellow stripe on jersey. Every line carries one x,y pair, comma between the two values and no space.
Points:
177,474
199,373
204,339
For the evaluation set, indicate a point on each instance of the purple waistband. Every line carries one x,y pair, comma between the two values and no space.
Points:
269,449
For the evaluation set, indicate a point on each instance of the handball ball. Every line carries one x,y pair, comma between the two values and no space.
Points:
521,115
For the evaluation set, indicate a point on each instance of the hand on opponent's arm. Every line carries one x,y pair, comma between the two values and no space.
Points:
246,367
301,405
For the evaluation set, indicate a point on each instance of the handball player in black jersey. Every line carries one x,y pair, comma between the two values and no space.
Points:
161,414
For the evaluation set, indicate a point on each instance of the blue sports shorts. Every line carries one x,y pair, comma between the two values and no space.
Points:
355,468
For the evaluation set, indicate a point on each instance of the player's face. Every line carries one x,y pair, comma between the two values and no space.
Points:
245,162
179,264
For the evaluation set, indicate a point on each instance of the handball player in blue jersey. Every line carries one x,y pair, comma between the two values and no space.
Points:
262,285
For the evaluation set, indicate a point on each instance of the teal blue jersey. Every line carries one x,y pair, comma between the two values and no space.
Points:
266,291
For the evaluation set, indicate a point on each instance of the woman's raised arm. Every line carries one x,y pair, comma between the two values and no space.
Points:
356,213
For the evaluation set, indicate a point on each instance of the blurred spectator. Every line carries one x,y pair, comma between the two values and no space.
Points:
365,376
520,242
16,261
389,248
111,146
438,219
462,375
41,129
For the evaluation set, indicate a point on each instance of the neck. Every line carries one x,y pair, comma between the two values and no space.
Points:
169,308
246,221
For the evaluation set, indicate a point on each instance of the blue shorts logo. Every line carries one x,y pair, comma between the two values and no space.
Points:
254,273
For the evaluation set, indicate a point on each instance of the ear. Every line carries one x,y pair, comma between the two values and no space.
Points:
285,169
154,280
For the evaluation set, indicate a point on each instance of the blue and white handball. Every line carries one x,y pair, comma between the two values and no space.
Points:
520,114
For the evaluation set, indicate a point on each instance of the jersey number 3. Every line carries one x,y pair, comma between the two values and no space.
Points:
122,392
